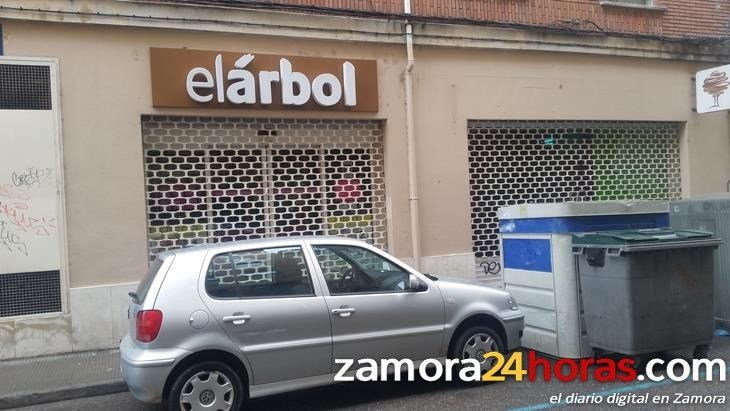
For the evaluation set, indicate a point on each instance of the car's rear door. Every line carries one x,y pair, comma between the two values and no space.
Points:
272,308
384,320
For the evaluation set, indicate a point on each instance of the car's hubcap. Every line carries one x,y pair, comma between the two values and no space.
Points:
207,390
207,397
477,346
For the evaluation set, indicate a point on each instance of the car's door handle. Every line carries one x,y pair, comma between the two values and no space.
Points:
237,319
343,312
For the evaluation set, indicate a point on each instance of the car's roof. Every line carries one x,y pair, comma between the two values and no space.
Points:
267,241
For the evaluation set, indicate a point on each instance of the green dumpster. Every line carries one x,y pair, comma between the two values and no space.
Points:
647,291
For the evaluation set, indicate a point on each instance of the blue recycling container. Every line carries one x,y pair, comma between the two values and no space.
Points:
540,268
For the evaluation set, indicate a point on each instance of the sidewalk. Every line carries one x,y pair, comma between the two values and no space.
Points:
40,380
32,381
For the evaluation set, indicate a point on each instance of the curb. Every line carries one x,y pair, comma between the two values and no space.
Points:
62,394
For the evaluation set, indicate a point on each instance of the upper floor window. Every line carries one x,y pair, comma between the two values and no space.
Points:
630,3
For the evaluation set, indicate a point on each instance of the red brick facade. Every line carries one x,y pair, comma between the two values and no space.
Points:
380,6
699,17
584,14
671,18
695,18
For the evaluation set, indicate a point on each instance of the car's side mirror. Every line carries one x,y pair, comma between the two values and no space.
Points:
414,284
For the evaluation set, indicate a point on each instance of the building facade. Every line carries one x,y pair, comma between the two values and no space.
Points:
141,126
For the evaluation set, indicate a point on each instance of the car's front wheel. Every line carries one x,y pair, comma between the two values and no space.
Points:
209,385
476,341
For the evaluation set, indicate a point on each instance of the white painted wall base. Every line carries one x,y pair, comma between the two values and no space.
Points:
98,320
451,265
99,315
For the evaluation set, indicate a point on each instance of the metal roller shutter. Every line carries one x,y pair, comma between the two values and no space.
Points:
513,162
223,179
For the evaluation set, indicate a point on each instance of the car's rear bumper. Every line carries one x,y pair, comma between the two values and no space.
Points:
146,370
513,329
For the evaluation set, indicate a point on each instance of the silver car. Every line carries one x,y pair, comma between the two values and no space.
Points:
213,325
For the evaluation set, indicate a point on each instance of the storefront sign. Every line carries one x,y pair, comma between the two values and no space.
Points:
196,78
711,88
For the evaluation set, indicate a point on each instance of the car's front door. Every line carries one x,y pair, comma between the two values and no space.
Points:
374,314
272,308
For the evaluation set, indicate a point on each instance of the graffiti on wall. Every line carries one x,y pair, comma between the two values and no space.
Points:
18,221
31,177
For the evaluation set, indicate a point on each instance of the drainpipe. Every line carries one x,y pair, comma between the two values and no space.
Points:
410,133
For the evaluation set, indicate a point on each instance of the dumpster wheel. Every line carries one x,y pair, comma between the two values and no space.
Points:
597,353
701,351
642,360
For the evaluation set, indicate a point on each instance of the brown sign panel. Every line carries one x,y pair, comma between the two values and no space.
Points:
213,79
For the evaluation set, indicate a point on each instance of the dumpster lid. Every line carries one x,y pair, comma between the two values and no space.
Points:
721,196
628,239
584,208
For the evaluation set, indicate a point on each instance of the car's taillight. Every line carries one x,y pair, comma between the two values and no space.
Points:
148,325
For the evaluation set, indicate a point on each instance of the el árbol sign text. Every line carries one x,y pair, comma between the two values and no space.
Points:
197,78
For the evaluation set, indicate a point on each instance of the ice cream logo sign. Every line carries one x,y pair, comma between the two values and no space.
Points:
211,79
711,89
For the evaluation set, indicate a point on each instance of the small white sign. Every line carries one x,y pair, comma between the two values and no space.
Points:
713,89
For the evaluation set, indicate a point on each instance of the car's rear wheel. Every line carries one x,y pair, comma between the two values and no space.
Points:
476,341
209,385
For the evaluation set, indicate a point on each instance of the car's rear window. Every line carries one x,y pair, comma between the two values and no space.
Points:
144,285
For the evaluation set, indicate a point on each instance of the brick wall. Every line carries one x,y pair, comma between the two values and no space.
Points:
382,6
584,14
696,17
674,18
377,6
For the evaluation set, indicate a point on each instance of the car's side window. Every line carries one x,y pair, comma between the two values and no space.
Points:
351,269
262,273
